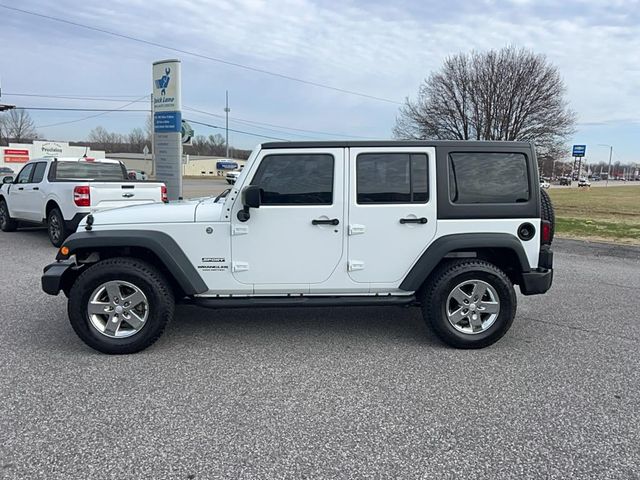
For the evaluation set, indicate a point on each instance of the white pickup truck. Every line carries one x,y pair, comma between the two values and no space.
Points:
59,192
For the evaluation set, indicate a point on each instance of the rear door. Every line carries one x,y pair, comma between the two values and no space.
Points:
392,211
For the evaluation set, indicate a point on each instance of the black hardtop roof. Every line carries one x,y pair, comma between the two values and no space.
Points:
395,143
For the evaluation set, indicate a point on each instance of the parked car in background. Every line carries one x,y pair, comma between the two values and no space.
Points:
4,171
565,181
233,176
59,192
544,184
583,182
137,175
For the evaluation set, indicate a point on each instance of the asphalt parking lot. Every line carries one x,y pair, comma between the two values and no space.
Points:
327,393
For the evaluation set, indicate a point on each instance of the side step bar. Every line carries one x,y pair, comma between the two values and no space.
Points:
299,301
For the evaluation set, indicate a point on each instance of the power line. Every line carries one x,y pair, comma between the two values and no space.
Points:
105,98
237,131
200,112
253,122
91,116
107,110
206,57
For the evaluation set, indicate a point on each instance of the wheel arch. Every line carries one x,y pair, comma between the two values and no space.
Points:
157,248
502,249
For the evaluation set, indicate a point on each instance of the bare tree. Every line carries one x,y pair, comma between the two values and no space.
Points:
17,125
102,139
137,140
507,94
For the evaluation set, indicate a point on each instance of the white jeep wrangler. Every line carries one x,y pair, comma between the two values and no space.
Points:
447,226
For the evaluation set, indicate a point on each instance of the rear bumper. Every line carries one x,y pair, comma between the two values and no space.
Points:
539,280
56,276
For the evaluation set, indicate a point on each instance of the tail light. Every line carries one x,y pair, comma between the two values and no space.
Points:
163,193
546,232
82,196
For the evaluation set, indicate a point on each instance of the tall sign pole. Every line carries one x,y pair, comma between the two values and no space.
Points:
167,126
226,113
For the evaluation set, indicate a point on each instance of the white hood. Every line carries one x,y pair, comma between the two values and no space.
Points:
174,212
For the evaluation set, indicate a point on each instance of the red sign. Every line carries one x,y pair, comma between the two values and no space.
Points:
12,155
8,151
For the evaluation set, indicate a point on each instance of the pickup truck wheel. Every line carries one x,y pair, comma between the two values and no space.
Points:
58,232
7,224
469,303
120,305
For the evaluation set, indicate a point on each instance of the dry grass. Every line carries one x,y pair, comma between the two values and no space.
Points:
601,213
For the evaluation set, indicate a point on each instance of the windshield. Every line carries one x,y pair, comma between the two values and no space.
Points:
89,171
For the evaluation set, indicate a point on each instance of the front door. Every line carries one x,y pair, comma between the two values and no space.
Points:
19,193
33,196
295,238
392,211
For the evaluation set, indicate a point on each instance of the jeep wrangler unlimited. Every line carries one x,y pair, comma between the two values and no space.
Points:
448,226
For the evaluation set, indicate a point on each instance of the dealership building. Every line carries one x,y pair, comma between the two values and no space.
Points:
17,154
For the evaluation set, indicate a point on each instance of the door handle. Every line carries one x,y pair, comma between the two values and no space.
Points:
20,188
421,220
36,188
333,221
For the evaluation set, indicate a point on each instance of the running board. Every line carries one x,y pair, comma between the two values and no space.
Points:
300,301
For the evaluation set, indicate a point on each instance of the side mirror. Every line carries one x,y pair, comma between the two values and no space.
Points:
251,198
7,179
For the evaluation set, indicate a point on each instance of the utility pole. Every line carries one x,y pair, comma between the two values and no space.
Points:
610,155
153,133
226,112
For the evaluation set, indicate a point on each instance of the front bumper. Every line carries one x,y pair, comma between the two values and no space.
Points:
57,276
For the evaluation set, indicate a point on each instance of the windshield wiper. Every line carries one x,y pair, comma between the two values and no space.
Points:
223,194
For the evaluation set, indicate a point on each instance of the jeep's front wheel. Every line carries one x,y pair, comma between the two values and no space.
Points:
469,303
120,305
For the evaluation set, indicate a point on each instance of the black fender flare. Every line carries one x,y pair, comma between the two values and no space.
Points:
461,241
162,245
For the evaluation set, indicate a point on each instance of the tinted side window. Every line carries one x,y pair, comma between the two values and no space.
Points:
38,172
392,178
484,177
296,179
23,176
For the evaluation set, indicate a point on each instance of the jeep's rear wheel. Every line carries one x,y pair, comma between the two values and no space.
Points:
469,303
120,305
7,224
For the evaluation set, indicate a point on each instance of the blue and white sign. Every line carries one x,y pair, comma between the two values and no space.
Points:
226,165
167,122
579,150
167,125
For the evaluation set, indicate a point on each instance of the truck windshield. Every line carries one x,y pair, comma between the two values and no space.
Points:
89,171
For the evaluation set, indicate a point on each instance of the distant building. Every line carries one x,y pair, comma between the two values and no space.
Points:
17,154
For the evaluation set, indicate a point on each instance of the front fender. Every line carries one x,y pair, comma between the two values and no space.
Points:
163,246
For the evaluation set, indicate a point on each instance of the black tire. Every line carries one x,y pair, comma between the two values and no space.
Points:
547,211
58,231
146,278
452,274
7,224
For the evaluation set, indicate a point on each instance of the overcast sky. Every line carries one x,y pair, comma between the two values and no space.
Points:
380,48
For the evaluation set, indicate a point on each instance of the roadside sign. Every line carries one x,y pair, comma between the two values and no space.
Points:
579,150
